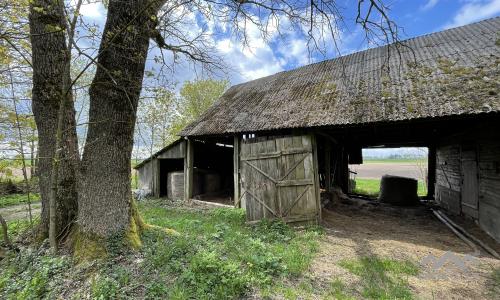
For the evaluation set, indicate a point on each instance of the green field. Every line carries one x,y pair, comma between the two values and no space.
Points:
372,187
390,161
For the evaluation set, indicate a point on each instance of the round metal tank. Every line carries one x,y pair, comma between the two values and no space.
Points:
211,183
398,190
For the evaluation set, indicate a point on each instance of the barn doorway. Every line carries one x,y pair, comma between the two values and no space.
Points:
409,162
168,165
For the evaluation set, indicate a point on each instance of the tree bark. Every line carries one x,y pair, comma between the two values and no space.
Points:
49,55
105,203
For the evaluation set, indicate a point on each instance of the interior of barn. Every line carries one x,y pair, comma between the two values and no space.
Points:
212,173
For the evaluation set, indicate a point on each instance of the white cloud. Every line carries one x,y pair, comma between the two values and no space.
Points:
474,10
430,4
93,10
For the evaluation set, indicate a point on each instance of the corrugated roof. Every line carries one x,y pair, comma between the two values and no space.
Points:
456,72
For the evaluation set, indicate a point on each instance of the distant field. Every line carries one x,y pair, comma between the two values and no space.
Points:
389,161
372,187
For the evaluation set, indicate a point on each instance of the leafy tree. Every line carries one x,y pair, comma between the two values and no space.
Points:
103,197
196,97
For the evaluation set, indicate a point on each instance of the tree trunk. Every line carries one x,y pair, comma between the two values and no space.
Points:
105,203
49,58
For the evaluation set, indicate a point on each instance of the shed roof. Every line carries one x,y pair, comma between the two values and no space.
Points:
156,154
447,73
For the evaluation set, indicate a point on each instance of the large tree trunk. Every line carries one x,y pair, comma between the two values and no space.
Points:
49,57
105,204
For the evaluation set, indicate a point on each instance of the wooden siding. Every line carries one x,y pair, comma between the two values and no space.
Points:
483,141
177,151
148,181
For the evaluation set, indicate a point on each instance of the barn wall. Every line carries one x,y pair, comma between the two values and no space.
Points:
489,176
145,178
486,139
177,151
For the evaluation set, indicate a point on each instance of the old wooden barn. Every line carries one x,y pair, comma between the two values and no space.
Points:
280,138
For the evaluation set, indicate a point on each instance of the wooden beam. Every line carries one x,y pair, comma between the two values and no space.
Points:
328,136
314,143
236,170
431,169
206,203
328,183
188,169
345,170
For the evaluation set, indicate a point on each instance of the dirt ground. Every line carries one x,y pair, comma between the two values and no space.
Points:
18,212
376,171
370,229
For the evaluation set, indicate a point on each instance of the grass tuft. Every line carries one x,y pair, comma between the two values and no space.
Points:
383,278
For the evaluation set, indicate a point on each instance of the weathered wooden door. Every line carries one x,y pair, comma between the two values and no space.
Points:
278,180
469,182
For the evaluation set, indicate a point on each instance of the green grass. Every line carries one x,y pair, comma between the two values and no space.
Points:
14,228
494,286
390,161
372,187
382,278
16,199
215,256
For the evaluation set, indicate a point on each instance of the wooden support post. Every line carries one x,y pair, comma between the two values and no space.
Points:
188,169
314,143
157,178
431,169
345,170
236,169
328,180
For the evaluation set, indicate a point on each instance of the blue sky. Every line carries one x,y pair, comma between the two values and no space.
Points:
417,17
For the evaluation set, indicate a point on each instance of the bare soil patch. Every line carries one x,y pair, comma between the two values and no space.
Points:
371,229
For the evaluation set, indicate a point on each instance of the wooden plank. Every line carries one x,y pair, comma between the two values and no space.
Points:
236,170
297,150
469,184
314,145
245,149
299,197
273,154
299,206
297,162
262,203
327,168
259,169
310,219
253,183
280,169
431,171
291,191
309,173
206,203
188,169
264,183
273,172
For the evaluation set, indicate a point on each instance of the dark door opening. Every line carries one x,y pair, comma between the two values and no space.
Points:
168,165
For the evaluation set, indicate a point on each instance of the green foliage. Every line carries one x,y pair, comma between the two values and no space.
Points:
16,199
216,256
215,246
32,275
494,286
196,97
14,228
383,278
